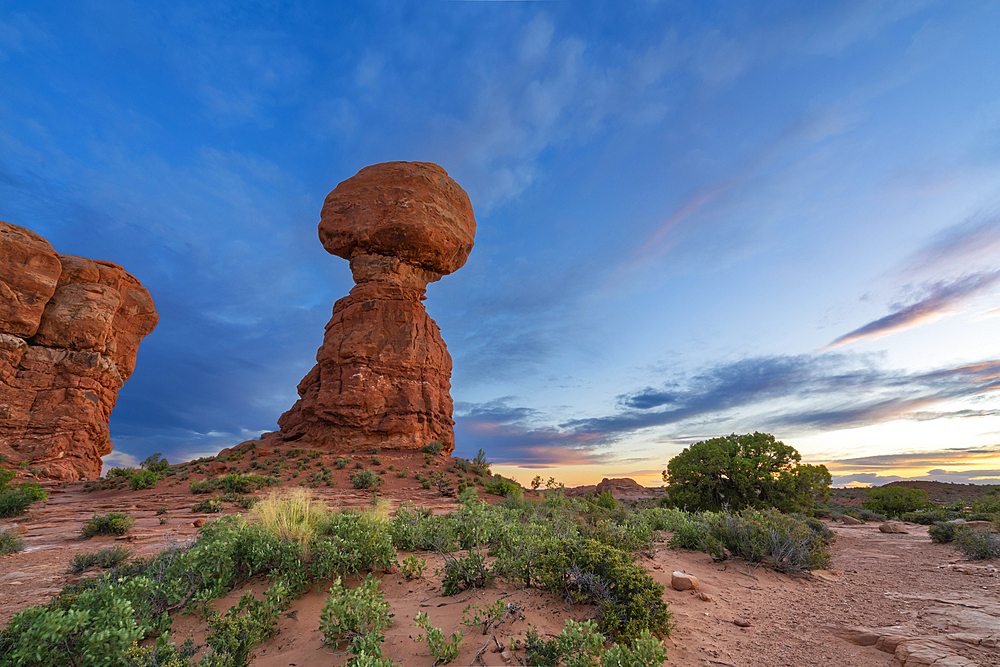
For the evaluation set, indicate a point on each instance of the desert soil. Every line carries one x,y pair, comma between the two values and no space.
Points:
887,599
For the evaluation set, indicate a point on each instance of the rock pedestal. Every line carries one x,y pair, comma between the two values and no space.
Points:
383,373
70,330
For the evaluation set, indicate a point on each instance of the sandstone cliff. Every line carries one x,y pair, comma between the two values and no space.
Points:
70,330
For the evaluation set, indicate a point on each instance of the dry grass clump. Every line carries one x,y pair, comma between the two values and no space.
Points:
295,515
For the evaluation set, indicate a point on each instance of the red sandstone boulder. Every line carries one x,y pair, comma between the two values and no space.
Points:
64,353
383,376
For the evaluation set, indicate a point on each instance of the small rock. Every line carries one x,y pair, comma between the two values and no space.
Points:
705,597
848,520
391,569
657,566
893,527
682,582
741,622
506,656
198,523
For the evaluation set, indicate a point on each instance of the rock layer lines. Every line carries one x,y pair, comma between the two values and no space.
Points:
70,330
383,373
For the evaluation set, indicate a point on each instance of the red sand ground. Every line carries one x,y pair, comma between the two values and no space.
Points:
876,580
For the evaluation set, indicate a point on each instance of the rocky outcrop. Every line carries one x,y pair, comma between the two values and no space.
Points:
383,373
70,329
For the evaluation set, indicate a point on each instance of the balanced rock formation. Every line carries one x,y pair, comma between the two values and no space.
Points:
383,374
69,334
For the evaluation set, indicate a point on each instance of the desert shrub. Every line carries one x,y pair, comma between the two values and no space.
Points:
352,613
628,599
432,448
402,474
413,567
233,635
112,523
209,506
240,483
412,526
143,479
162,509
107,557
581,644
463,465
15,500
465,573
895,501
865,514
784,542
693,533
352,541
444,650
501,486
365,479
376,461
340,463
10,542
204,486
943,531
977,544
95,631
119,472
155,464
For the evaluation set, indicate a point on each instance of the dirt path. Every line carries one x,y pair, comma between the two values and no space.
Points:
885,595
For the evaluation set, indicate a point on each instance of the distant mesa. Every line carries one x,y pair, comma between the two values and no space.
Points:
383,373
70,330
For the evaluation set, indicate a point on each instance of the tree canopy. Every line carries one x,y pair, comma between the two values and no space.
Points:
737,471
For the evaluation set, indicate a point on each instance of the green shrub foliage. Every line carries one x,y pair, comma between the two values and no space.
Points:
15,500
737,471
894,501
112,523
10,542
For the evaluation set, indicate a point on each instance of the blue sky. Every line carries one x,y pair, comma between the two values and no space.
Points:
694,218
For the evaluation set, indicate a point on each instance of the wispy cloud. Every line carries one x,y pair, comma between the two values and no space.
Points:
958,264
944,297
791,395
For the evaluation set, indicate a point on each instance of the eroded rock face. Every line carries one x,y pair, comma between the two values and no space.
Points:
383,374
70,330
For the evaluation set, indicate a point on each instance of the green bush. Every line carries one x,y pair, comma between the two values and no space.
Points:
943,532
143,479
204,486
581,644
348,614
977,544
107,557
119,472
749,470
237,483
784,542
894,501
365,479
209,506
466,573
15,500
501,486
112,523
444,650
155,464
432,448
629,600
10,542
